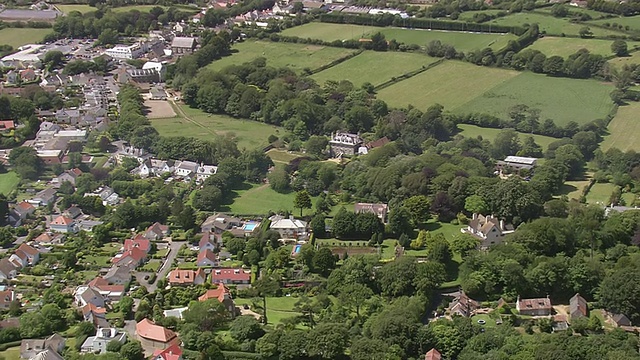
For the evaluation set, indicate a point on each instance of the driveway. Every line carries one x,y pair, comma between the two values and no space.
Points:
163,270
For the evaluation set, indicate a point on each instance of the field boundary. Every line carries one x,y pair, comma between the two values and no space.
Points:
336,62
395,80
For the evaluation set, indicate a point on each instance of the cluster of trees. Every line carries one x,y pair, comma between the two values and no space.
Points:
99,65
216,16
626,9
348,225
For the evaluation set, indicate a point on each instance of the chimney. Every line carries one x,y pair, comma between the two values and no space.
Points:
475,216
501,225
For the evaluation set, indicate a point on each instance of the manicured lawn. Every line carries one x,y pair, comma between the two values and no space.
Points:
8,182
489,322
633,22
278,308
549,24
67,8
462,41
381,67
260,199
559,99
573,189
96,260
330,32
151,266
249,134
17,37
282,156
11,353
567,46
111,248
624,129
294,56
472,131
451,84
634,58
600,193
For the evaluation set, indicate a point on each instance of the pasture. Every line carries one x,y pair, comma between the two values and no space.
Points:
8,182
599,194
559,99
566,46
624,129
82,8
295,56
577,10
380,67
633,22
472,131
451,84
198,124
634,58
468,15
17,37
550,25
260,199
330,32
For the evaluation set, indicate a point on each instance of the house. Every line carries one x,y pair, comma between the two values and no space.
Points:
173,352
186,277
44,197
28,75
48,354
13,77
118,275
33,255
176,313
207,258
73,212
126,52
433,354
63,224
205,171
95,315
230,276
223,295
380,210
344,144
488,229
22,210
620,320
560,323
68,175
85,295
7,125
107,195
209,241
139,242
516,164
98,344
220,223
185,169
88,225
463,305
6,298
155,336
48,238
578,307
133,258
108,291
534,307
289,228
8,270
183,45
30,348
157,231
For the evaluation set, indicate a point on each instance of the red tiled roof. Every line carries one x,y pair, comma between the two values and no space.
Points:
178,276
92,308
29,250
218,275
140,243
76,171
205,239
103,285
149,330
7,124
433,354
7,296
173,352
217,293
135,253
25,206
207,254
44,237
62,220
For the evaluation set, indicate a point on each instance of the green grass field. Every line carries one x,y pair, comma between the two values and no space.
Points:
468,15
67,8
633,22
17,37
260,199
549,24
294,56
472,131
567,46
560,99
278,308
282,156
599,194
573,189
8,182
624,129
451,84
249,134
619,62
575,10
380,67
12,353
330,32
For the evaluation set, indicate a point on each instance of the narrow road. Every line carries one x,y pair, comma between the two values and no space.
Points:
166,265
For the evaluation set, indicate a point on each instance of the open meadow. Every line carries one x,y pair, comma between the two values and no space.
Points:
380,67
619,62
17,37
451,84
295,56
8,182
198,124
624,129
549,24
633,22
330,32
82,8
566,46
559,99
472,131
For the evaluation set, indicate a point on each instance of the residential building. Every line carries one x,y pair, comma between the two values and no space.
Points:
207,258
158,67
620,320
186,169
107,195
104,335
73,212
8,270
21,211
132,258
155,336
108,291
183,45
560,323
488,229
204,172
44,197
463,305
30,348
63,224
85,295
344,144
534,307
380,210
209,241
48,238
289,228
173,352
95,315
12,77
186,277
126,51
176,313
223,295
516,164
220,223
229,276
578,307
7,125
6,298
69,175
139,242
28,75
144,76
118,275
433,354
157,231
24,256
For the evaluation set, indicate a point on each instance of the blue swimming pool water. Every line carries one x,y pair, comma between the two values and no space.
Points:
250,227
297,249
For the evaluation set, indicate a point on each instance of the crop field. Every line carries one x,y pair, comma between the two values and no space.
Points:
8,182
380,67
551,25
633,22
559,99
294,56
567,46
624,129
67,8
330,32
198,124
451,84
472,131
17,37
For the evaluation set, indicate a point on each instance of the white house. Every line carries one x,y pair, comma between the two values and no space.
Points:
488,229
205,171
157,67
127,51
289,228
98,344
186,168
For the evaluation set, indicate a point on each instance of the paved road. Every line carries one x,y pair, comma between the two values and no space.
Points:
164,268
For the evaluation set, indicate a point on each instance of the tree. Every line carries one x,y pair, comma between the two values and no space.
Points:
463,244
302,201
618,293
324,261
114,346
187,218
206,315
506,143
344,224
554,65
211,352
619,47
25,162
400,221
245,328
585,32
126,306
316,145
353,296
327,341
279,180
378,42
475,204
132,350
235,245
559,10
53,59
317,225
418,206
6,236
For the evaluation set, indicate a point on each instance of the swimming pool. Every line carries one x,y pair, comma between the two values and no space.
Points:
249,226
296,250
